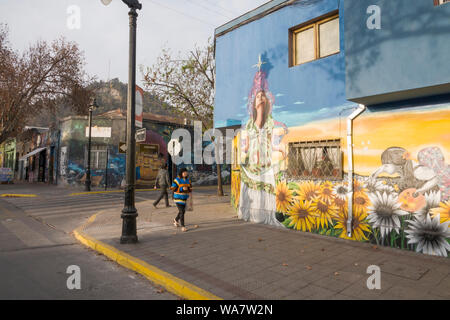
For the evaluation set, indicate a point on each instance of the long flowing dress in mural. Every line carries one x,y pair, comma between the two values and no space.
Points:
259,140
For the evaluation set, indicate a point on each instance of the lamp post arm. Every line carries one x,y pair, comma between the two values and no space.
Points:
133,4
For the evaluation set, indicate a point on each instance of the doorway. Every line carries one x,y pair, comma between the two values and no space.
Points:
42,163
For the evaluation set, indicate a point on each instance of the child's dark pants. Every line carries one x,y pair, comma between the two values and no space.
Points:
181,211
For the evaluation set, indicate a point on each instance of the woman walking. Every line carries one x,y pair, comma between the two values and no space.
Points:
181,187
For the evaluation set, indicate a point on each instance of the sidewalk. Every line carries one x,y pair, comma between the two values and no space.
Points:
233,259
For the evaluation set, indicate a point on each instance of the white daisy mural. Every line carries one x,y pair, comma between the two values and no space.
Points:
429,234
385,212
433,199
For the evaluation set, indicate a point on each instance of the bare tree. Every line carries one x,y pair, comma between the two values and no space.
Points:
186,85
38,80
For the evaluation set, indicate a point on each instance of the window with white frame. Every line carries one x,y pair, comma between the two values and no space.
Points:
98,157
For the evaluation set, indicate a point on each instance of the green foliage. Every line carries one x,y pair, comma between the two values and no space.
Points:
286,223
279,177
293,186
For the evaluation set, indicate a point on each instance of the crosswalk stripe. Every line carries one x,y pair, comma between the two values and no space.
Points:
63,211
61,206
61,199
25,234
43,206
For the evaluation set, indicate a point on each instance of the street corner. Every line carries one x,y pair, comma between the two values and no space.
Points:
154,274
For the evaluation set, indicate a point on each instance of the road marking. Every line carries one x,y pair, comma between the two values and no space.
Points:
10,195
25,234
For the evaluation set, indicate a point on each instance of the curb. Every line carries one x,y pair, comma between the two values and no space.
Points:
18,195
171,283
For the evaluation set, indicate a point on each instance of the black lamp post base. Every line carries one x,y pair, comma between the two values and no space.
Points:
128,239
87,185
129,235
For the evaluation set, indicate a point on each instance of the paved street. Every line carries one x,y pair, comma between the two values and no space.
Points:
36,248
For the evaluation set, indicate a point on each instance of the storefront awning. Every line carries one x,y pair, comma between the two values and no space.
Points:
32,153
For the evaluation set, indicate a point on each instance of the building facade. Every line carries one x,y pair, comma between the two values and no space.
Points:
344,108
8,163
37,150
108,150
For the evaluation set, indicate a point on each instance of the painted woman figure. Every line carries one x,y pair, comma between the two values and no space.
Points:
259,139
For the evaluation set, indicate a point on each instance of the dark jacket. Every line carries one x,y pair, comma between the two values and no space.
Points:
162,179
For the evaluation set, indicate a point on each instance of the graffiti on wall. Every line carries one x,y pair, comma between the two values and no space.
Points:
63,161
6,174
150,154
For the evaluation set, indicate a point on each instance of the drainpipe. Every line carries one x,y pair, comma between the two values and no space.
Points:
350,119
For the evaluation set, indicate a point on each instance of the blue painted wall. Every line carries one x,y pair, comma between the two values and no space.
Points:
410,50
304,93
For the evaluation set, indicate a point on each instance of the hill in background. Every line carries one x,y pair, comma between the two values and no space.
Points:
111,95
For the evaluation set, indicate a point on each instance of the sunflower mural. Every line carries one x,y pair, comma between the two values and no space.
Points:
360,226
301,216
283,197
392,211
443,211
321,207
235,188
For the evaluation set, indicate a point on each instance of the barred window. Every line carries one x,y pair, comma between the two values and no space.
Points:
315,160
98,157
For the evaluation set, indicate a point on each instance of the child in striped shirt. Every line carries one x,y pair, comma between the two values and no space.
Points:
181,187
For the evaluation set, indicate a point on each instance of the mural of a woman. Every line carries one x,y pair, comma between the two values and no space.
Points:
259,139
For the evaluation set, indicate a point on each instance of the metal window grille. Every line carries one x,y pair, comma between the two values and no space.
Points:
98,157
315,160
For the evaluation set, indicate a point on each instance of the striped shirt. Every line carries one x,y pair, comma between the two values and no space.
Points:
180,189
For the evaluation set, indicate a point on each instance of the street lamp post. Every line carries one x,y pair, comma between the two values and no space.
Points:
129,212
88,169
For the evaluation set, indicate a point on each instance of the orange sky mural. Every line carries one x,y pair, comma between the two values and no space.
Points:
375,132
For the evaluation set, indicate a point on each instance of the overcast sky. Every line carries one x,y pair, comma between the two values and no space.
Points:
103,32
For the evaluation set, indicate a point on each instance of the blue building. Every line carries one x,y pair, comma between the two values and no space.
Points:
344,113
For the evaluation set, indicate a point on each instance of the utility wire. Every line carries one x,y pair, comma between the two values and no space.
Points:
209,9
182,13
219,6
